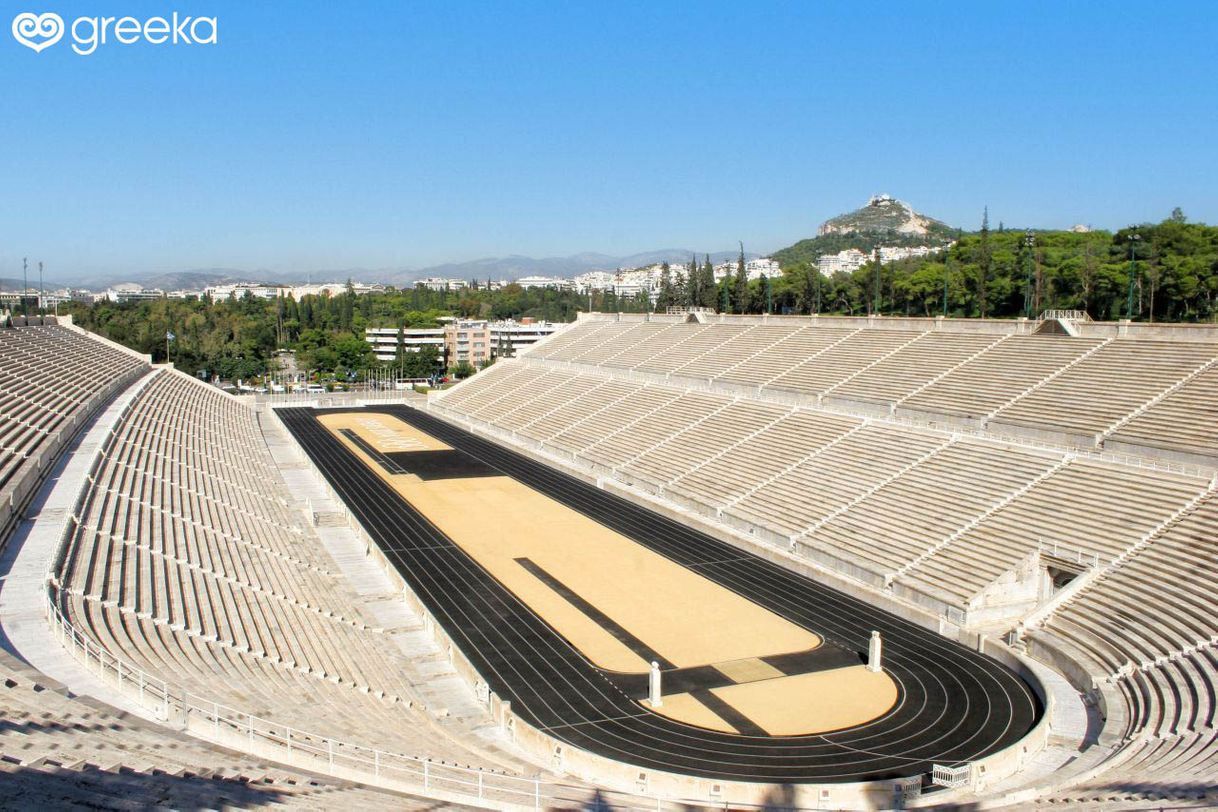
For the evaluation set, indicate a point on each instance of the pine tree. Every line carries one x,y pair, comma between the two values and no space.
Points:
741,292
811,288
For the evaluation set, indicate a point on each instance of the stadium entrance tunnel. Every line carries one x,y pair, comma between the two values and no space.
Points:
561,595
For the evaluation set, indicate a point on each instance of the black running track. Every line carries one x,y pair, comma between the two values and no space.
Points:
954,706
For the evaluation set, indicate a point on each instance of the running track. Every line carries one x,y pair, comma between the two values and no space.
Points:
954,706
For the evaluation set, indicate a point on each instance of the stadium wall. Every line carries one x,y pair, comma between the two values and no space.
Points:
1179,332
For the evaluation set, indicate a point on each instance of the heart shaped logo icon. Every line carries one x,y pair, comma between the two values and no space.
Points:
48,27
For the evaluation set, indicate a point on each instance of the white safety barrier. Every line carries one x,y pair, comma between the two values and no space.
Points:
944,776
244,732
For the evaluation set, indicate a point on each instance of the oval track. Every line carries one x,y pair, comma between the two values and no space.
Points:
955,705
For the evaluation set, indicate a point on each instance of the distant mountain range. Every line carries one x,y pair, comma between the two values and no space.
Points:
514,267
883,221
509,267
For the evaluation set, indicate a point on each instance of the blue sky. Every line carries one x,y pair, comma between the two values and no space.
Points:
366,134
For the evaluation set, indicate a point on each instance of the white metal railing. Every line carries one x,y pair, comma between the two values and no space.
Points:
1065,315
265,738
251,734
1067,553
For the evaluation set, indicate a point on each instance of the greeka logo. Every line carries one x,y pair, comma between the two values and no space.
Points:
49,26
40,31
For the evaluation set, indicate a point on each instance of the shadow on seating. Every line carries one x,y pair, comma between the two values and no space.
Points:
123,788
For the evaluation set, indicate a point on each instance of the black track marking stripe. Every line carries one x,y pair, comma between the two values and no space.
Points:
607,623
743,724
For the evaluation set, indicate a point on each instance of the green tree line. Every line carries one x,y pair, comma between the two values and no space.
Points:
238,338
1156,272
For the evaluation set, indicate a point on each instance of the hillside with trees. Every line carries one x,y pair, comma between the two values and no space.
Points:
1171,268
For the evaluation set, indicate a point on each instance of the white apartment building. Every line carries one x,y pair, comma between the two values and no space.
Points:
847,261
762,266
593,280
509,337
238,290
438,283
384,340
120,295
852,259
558,283
333,288
475,341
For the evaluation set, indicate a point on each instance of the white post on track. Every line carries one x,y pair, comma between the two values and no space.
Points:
653,694
875,652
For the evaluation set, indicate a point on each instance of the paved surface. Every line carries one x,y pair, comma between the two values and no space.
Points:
954,705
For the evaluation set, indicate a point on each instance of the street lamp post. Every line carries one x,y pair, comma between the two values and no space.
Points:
25,286
947,267
1029,241
878,278
1133,270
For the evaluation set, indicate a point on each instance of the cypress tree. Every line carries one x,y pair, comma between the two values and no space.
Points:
694,283
708,283
666,298
741,292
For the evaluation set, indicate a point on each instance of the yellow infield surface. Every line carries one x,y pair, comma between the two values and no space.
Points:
684,617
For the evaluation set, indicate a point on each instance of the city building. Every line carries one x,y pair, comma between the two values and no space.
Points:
593,280
384,340
298,292
238,290
472,340
467,341
438,283
527,282
852,259
15,300
847,261
123,295
509,337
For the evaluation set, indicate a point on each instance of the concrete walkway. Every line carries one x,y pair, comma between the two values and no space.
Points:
450,700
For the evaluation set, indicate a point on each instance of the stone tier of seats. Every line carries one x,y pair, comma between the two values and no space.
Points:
1148,397
61,751
51,379
1156,604
186,561
919,508
931,512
